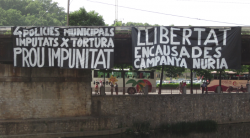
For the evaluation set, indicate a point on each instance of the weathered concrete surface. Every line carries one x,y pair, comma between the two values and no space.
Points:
44,92
68,126
157,109
223,131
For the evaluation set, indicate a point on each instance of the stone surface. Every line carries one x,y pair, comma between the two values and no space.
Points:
44,92
58,126
53,93
157,109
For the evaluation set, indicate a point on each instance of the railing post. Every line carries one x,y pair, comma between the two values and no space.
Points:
184,90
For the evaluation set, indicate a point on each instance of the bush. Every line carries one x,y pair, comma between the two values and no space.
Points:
176,85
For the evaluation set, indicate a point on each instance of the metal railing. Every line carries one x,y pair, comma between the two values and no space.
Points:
153,91
137,91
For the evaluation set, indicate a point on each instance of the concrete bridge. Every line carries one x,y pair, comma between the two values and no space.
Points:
56,102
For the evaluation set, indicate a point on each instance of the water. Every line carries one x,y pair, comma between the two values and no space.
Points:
239,130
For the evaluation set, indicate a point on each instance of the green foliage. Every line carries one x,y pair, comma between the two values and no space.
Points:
172,71
84,18
7,32
138,24
123,66
205,73
176,85
117,23
245,33
131,81
244,68
223,72
247,67
31,12
135,82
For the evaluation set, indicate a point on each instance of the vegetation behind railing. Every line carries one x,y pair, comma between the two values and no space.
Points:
176,85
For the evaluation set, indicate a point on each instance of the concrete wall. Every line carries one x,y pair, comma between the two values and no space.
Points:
44,92
173,108
58,127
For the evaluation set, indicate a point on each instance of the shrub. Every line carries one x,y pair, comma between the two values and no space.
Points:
176,85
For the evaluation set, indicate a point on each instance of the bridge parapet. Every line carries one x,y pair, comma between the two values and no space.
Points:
44,92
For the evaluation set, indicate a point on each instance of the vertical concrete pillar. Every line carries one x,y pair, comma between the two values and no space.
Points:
102,90
146,90
184,90
53,90
218,89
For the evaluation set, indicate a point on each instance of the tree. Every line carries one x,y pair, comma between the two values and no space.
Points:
84,18
117,23
31,12
138,24
206,75
173,72
220,72
11,17
244,68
